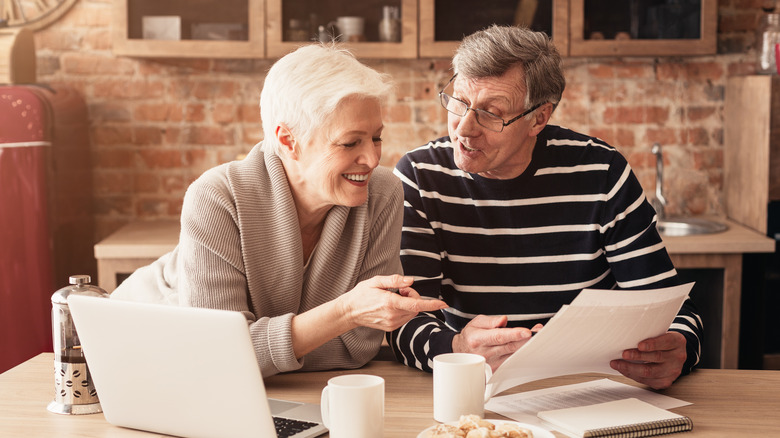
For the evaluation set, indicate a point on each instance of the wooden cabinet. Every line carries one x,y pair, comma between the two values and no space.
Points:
313,13
429,28
751,148
206,28
642,28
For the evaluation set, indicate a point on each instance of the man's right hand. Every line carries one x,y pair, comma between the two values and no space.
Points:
488,336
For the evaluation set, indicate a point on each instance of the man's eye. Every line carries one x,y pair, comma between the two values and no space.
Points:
377,139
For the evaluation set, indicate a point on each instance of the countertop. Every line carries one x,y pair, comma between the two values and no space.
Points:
737,239
143,239
151,239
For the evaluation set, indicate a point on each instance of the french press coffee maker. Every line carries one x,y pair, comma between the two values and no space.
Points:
74,390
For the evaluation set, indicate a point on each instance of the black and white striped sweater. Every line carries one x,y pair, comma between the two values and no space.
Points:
576,218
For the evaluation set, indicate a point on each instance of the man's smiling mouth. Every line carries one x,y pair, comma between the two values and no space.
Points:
468,149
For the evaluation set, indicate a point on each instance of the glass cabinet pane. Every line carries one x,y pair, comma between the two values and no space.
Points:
356,24
455,19
301,19
189,28
641,19
444,23
643,27
211,20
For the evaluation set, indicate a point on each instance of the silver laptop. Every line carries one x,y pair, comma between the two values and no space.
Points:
181,371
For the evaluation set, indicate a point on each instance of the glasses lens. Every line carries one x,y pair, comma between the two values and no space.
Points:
453,105
489,120
459,108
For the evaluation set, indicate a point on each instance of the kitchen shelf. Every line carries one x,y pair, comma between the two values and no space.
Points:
429,28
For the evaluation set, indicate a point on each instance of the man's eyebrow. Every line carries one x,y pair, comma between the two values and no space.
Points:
489,100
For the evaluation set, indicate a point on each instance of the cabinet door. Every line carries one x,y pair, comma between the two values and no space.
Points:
643,27
292,23
444,23
189,28
751,148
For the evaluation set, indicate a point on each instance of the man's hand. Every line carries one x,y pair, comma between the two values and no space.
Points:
656,362
488,336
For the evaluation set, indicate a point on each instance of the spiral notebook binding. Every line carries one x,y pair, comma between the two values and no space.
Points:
651,428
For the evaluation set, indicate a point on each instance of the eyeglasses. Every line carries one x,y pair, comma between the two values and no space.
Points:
486,119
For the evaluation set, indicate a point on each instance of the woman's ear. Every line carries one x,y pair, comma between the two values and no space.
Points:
287,144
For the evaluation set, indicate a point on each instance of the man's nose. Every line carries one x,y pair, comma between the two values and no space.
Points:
468,126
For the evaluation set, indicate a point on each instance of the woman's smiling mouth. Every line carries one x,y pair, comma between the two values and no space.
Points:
358,178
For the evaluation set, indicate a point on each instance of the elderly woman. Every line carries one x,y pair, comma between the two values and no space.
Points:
303,235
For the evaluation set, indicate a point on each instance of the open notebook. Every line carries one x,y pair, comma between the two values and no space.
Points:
181,371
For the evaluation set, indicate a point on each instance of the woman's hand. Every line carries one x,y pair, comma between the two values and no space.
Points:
372,303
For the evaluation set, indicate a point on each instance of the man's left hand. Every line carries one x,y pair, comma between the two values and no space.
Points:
656,362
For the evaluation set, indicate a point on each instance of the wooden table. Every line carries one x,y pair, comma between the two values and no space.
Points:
726,403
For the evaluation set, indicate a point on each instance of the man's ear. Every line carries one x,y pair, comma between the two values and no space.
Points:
541,118
287,144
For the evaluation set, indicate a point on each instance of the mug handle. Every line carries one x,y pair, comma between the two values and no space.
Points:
325,408
488,375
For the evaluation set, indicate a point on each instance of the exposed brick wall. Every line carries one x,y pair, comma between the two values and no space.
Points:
156,124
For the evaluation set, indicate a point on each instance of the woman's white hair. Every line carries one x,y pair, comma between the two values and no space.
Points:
303,88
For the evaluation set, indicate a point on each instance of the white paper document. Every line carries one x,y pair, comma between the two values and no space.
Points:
524,406
587,334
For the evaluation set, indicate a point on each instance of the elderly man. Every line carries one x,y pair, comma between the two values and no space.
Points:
509,218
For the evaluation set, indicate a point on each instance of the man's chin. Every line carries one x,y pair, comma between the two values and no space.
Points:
466,163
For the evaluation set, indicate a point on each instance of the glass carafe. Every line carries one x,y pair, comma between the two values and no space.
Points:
74,390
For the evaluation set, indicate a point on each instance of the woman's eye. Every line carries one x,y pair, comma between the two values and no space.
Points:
351,145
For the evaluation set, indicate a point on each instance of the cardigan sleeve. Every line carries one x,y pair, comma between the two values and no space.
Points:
213,273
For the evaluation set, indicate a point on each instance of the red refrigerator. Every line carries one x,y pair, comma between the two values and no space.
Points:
46,218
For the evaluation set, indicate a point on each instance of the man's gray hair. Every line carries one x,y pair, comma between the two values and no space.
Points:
493,51
303,89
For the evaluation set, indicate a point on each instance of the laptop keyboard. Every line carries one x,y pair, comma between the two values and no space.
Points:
286,427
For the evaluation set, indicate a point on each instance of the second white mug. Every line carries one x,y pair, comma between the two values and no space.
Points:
353,406
459,386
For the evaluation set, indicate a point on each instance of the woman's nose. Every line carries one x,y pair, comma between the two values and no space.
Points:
370,155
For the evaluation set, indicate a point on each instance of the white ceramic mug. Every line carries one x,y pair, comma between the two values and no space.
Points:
353,406
350,26
459,386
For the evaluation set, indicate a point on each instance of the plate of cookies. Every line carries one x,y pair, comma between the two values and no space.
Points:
472,426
